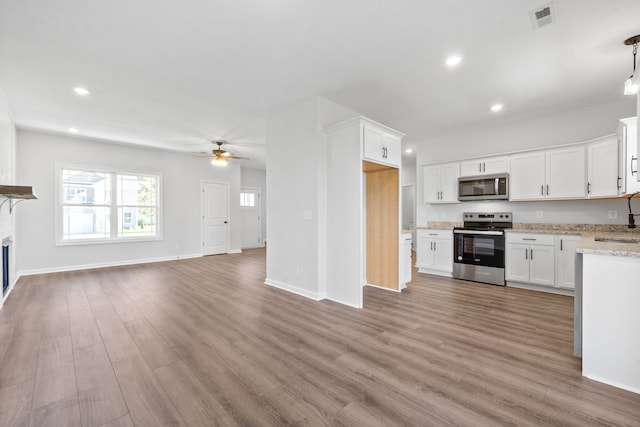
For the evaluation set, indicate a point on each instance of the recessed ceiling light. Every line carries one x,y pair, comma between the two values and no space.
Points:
408,151
81,91
453,60
73,130
496,107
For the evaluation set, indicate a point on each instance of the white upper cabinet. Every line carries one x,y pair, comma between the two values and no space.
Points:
558,173
628,137
527,176
603,178
440,183
566,173
485,166
381,145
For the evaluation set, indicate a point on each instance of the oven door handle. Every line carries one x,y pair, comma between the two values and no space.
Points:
482,232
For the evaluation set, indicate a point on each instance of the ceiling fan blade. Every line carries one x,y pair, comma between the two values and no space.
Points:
236,157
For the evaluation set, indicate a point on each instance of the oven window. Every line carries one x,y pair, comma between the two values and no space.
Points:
478,246
484,246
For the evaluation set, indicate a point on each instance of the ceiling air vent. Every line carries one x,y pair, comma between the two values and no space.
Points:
542,16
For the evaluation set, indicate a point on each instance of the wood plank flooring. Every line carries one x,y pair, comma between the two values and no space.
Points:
204,342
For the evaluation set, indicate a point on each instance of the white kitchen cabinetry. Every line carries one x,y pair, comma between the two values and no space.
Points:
628,139
381,146
485,166
558,173
603,159
566,261
527,178
405,259
530,259
440,183
434,251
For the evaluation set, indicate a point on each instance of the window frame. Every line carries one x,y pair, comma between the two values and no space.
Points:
113,206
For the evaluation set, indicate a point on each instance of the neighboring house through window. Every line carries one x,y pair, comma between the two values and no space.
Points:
103,206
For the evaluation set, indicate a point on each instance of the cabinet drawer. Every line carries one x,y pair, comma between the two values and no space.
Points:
435,234
531,238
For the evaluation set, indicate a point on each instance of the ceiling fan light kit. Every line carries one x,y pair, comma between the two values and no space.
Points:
632,84
220,157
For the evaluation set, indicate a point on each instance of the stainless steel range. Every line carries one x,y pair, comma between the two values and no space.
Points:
478,247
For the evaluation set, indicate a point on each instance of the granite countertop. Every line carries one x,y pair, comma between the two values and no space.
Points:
588,233
589,245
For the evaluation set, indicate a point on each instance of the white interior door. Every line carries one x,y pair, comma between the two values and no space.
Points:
251,219
215,218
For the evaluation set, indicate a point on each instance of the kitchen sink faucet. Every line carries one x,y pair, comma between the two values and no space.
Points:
632,222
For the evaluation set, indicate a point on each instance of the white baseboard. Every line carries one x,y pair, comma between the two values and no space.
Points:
293,289
104,264
234,251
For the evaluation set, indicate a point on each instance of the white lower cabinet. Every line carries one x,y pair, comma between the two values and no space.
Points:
541,261
530,259
566,261
434,251
405,259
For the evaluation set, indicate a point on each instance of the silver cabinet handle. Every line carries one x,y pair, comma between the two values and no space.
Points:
526,254
633,159
484,167
479,167
619,182
561,244
433,234
531,256
589,188
435,247
529,238
542,190
547,189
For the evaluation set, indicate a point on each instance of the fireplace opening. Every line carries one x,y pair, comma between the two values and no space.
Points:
6,277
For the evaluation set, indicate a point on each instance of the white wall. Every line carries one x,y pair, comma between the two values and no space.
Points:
538,132
37,154
257,178
7,150
295,156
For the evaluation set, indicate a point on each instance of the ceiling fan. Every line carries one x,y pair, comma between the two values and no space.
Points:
219,156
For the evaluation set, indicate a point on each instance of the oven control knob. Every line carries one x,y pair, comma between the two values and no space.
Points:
500,216
459,258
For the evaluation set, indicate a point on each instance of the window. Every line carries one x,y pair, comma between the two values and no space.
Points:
97,206
247,199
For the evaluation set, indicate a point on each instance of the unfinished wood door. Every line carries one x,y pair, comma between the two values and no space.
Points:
382,205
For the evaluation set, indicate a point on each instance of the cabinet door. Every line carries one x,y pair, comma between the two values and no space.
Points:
449,182
406,256
431,184
566,265
443,254
566,173
527,176
627,134
493,165
517,262
373,143
542,265
393,146
424,254
602,168
471,168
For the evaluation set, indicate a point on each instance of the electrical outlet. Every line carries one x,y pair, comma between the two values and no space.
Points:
612,215
539,214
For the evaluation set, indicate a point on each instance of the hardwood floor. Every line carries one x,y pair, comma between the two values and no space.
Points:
204,342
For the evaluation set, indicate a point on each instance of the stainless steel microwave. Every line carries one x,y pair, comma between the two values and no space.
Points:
484,187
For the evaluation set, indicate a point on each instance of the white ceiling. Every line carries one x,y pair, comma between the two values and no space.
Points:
175,74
